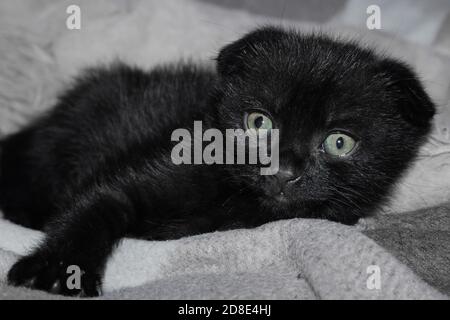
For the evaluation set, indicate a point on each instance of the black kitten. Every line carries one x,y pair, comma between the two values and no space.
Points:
98,167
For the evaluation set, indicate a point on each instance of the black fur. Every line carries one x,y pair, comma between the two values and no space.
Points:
97,167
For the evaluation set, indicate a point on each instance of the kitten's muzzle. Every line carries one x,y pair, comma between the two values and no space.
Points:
280,184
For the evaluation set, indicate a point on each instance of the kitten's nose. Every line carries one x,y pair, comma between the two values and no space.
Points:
284,177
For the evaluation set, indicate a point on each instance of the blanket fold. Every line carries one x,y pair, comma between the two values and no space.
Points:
291,259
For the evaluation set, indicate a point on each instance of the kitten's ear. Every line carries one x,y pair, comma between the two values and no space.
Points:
235,57
231,58
414,103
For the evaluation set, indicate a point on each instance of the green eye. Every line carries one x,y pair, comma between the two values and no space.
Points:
258,120
338,144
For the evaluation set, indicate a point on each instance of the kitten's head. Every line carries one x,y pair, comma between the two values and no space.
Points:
349,120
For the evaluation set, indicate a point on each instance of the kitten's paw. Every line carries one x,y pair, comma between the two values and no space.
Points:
40,272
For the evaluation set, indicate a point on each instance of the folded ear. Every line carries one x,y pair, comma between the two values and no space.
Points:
236,56
414,104
231,58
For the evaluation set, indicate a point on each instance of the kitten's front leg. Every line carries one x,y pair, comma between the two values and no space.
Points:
84,238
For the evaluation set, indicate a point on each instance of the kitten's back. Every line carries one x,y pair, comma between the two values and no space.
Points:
108,114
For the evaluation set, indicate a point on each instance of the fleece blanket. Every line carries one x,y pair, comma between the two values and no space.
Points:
402,253
292,259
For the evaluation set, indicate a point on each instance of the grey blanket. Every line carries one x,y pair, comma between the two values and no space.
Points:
293,259
403,253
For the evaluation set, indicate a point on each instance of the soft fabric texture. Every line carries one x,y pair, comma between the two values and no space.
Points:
420,239
292,259
298,259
